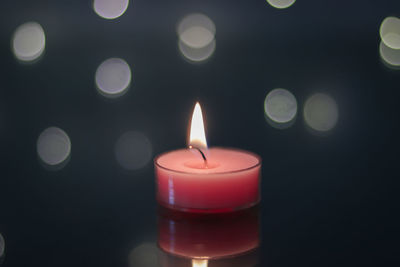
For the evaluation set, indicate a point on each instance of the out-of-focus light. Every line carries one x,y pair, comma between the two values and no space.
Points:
196,37
53,146
321,112
196,30
113,77
2,246
133,150
390,32
110,9
144,255
281,3
390,56
28,41
197,54
280,107
199,263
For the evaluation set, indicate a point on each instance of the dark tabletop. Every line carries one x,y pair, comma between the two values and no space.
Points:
327,199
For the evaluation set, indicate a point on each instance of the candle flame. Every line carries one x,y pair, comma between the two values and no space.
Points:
199,263
197,134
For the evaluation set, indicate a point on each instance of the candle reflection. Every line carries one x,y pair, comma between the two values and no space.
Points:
249,259
199,263
201,240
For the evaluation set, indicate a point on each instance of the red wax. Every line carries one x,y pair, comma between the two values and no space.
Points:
208,236
228,181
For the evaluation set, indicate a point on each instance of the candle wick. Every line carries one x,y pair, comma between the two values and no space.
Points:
201,152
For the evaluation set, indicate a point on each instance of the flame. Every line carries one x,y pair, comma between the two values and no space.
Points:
199,263
197,134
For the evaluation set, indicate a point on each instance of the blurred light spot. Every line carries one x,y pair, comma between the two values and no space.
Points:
281,3
197,54
280,107
113,77
144,255
28,41
53,146
110,9
2,246
321,112
196,30
196,37
390,32
389,56
133,150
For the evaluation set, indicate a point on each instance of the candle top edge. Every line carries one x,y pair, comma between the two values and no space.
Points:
229,160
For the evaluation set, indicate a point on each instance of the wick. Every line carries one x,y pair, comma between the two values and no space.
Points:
201,152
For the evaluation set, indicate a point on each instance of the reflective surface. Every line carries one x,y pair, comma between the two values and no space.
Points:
327,200
208,236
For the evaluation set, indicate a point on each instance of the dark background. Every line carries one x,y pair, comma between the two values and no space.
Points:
327,200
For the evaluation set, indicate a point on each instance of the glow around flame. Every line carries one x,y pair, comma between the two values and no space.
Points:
197,134
199,263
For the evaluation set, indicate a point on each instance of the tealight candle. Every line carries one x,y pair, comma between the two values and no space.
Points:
199,179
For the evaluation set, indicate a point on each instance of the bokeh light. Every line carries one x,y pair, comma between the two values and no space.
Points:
390,32
280,107
28,41
197,54
196,30
2,246
389,55
321,112
113,77
144,255
196,37
110,9
133,150
53,146
281,3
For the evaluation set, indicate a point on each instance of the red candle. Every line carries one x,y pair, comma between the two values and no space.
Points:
208,236
199,179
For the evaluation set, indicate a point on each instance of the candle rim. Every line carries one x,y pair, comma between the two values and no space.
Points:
259,162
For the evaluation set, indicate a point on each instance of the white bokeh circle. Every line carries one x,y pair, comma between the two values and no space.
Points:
196,30
280,106
389,55
390,32
321,112
280,4
113,77
28,41
110,9
53,146
196,37
197,54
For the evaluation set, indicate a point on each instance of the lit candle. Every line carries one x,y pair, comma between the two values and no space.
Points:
198,179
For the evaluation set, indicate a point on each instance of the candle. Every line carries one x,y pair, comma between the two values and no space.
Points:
208,236
198,179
